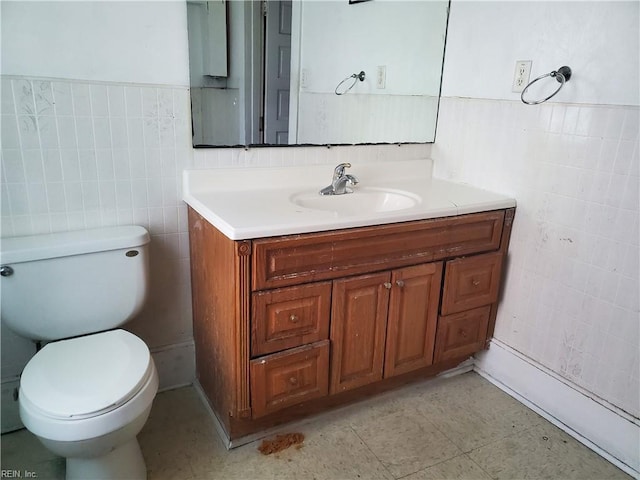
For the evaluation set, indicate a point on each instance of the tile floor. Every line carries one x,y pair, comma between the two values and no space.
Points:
449,428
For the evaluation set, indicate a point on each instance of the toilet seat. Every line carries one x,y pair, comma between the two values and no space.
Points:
40,417
86,376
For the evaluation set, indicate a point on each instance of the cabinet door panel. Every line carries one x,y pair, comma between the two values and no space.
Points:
290,377
462,333
471,282
413,316
358,329
290,317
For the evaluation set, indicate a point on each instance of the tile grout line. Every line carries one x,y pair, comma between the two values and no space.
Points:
369,449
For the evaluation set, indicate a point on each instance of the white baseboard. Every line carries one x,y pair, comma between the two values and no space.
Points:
10,414
176,365
608,431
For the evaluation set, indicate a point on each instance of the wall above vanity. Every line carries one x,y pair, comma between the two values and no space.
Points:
284,61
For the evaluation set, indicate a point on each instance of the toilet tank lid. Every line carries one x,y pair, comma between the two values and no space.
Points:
63,244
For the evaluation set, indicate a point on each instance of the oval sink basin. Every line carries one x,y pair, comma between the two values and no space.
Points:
361,201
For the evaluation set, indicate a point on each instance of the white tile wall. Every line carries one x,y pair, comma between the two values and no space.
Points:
407,118
571,296
77,155
80,154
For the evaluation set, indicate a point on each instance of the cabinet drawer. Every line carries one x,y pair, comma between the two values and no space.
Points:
471,282
461,334
296,259
287,378
290,317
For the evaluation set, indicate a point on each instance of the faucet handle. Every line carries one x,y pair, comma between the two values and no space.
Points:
339,170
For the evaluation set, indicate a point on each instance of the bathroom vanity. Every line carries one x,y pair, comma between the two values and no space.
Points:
298,309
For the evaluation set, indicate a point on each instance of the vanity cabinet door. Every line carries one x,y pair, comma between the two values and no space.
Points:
289,317
471,282
462,333
288,378
413,316
358,330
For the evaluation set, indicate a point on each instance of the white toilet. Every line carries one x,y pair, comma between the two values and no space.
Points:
85,395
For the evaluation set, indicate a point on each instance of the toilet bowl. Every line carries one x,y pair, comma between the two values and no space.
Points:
88,392
87,398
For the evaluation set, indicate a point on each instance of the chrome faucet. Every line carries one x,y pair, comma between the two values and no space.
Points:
340,181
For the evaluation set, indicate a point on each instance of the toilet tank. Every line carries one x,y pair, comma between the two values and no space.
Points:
66,284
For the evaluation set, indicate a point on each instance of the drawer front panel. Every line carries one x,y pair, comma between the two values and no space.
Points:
461,334
290,317
287,378
296,259
471,282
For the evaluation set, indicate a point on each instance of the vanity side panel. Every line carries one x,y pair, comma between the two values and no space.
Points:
218,273
296,259
509,216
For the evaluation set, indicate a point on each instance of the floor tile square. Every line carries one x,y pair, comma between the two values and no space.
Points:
458,468
543,452
405,441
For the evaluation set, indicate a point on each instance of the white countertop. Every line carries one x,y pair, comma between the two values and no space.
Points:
245,203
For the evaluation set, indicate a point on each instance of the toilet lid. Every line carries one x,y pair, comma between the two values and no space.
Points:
86,376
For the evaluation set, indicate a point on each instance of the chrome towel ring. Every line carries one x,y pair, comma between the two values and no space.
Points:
562,75
356,76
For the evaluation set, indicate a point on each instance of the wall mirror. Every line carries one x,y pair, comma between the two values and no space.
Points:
283,72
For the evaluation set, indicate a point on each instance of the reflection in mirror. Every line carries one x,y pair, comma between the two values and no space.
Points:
268,72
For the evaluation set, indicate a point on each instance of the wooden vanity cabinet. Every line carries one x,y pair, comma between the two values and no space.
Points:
289,326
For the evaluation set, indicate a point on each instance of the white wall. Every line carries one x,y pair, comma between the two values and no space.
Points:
337,39
132,41
571,296
597,39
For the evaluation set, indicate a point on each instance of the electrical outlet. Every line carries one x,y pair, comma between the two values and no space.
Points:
381,76
521,75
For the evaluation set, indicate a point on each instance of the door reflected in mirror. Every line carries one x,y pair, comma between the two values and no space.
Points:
288,73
